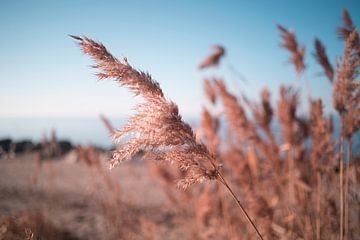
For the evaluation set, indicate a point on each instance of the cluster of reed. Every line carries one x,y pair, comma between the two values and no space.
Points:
290,187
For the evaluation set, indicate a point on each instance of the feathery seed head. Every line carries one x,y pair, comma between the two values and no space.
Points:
157,128
214,58
323,60
291,44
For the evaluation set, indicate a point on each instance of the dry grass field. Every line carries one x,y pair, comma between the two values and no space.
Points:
234,179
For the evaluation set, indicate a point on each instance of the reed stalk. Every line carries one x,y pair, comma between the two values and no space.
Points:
164,136
347,167
223,181
341,179
291,176
318,205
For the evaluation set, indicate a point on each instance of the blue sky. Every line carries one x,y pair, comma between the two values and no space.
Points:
44,74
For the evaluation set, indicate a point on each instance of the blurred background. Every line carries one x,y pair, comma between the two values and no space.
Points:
282,159
46,82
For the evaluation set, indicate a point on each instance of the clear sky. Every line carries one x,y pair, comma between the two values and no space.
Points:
44,74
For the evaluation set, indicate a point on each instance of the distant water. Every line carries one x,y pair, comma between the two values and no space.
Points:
92,130
77,130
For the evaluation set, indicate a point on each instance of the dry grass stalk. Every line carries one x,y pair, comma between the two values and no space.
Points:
149,229
209,91
323,60
32,225
347,28
243,129
157,128
253,162
50,148
210,126
107,124
264,113
91,157
166,177
287,106
236,115
291,44
321,130
254,157
346,100
209,214
318,205
294,132
214,58
341,185
346,89
323,147
346,193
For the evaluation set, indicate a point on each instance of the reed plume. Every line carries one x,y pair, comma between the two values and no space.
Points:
346,89
291,44
213,59
210,126
287,106
347,28
321,130
323,60
235,114
321,154
157,128
263,112
107,124
209,91
346,100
